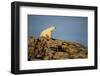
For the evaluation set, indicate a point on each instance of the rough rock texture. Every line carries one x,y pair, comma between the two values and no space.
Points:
54,49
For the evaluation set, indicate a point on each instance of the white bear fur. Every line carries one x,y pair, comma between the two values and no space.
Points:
47,32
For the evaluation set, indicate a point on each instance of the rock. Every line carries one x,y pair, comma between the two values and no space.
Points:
58,55
44,48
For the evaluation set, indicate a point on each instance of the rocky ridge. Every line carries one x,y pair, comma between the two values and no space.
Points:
54,49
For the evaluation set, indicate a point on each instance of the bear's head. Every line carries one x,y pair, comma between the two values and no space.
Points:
52,28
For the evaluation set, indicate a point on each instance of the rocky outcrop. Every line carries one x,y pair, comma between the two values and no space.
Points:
54,49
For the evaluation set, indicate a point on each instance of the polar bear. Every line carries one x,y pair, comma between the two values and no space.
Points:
47,32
